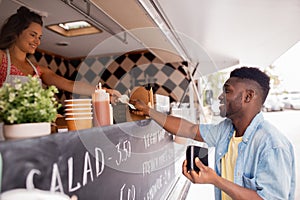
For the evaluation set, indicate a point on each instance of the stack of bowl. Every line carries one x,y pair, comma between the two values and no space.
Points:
78,114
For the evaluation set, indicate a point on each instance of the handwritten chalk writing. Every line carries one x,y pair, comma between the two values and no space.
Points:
56,183
99,154
80,168
130,192
162,180
154,188
150,139
154,138
155,163
70,176
56,177
161,135
165,157
168,176
29,178
124,152
149,166
87,169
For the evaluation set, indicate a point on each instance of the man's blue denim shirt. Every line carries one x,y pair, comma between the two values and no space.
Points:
265,162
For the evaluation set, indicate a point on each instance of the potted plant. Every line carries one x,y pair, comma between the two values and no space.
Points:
27,105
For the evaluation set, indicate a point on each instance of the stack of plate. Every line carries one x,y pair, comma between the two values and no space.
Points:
78,114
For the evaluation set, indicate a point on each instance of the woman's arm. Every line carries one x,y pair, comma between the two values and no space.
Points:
78,87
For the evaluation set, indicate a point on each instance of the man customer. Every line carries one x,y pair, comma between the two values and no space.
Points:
253,159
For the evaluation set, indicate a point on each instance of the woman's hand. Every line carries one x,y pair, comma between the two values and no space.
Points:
114,95
205,176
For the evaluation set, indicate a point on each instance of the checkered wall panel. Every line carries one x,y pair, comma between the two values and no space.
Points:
56,64
123,72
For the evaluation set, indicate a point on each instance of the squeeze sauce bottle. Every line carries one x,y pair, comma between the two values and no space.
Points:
101,103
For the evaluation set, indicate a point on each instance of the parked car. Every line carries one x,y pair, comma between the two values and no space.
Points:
292,101
273,103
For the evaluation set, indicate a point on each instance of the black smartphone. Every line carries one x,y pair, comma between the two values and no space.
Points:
192,152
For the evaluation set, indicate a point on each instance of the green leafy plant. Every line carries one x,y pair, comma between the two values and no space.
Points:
28,102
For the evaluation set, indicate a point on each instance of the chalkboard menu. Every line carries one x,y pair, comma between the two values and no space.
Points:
133,160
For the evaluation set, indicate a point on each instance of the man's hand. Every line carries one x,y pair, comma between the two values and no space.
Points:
141,108
205,176
209,176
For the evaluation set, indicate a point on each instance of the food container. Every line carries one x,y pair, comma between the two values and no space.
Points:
78,110
79,123
102,109
79,114
78,101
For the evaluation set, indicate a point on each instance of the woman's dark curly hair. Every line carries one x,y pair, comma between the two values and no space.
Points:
15,24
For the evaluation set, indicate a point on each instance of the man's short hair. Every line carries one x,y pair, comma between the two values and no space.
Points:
256,75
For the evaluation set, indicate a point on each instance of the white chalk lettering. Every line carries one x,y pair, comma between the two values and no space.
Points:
87,174
70,176
146,168
29,178
161,135
56,177
154,138
124,152
130,193
154,188
158,162
99,158
87,169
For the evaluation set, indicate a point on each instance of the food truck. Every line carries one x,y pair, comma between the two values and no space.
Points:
163,46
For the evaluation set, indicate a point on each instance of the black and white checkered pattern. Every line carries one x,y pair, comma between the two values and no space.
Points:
122,72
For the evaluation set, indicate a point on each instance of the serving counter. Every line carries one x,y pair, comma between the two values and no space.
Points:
132,160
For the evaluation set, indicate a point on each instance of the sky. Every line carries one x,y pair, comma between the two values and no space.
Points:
288,68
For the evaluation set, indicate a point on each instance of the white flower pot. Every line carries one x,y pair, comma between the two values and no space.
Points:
32,194
26,130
